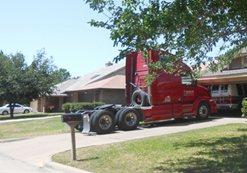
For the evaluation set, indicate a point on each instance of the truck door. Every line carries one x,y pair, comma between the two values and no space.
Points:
189,90
188,93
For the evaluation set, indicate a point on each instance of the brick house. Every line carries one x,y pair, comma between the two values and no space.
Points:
104,85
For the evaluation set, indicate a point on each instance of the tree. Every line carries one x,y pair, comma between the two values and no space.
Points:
22,83
188,29
60,75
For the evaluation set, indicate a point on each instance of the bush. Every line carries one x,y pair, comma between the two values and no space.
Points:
244,109
66,107
73,107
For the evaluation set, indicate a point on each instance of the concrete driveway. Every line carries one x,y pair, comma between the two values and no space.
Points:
33,154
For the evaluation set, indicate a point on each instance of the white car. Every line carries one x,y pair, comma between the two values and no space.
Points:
4,110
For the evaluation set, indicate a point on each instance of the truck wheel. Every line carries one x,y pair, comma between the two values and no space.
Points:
203,111
103,122
117,117
129,119
79,126
92,128
139,98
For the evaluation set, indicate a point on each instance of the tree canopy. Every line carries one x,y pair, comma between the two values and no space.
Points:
188,29
22,83
60,75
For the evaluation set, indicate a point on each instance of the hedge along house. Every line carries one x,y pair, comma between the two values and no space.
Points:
68,91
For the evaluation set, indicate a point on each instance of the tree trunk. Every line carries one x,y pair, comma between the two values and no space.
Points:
11,107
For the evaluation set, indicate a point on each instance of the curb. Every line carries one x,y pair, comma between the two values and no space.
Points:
49,164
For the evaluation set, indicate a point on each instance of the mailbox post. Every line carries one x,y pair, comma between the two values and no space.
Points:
72,119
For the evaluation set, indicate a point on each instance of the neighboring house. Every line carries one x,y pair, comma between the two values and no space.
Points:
110,90
235,72
104,85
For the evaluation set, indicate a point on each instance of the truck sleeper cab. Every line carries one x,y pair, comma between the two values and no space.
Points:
169,96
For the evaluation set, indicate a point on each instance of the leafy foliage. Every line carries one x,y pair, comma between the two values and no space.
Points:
244,109
60,75
188,29
22,83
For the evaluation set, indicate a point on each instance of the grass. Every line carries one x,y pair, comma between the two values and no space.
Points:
23,129
29,115
216,149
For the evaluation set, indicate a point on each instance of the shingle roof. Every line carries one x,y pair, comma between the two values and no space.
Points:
115,82
59,88
95,76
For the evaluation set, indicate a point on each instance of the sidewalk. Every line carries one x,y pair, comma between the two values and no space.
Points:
39,150
28,119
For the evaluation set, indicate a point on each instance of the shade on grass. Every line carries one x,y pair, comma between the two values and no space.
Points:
215,149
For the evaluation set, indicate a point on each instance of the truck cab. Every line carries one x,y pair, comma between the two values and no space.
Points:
170,95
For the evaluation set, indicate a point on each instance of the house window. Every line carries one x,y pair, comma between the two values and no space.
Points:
236,63
215,89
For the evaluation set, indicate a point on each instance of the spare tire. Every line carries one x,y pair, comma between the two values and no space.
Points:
139,98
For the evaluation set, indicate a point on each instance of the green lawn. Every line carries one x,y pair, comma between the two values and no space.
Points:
32,128
216,149
29,115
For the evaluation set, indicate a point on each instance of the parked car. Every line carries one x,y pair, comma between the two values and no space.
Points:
4,110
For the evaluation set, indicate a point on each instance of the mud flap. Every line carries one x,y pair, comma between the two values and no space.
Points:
86,124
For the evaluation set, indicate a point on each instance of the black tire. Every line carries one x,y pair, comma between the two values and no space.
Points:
139,98
92,128
103,122
203,111
129,119
26,111
117,116
5,113
79,126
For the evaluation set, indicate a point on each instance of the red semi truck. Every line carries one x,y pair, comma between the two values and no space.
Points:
169,96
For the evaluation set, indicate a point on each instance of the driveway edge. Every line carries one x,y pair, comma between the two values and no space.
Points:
49,164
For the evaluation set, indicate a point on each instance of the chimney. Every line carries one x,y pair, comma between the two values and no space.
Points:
108,64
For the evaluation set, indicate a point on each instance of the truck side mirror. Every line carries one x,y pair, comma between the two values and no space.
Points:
195,83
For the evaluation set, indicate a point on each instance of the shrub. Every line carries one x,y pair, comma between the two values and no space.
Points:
244,109
66,107
73,107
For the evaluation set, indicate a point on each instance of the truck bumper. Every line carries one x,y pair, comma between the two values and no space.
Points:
213,106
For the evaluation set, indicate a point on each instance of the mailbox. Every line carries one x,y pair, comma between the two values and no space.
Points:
71,117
